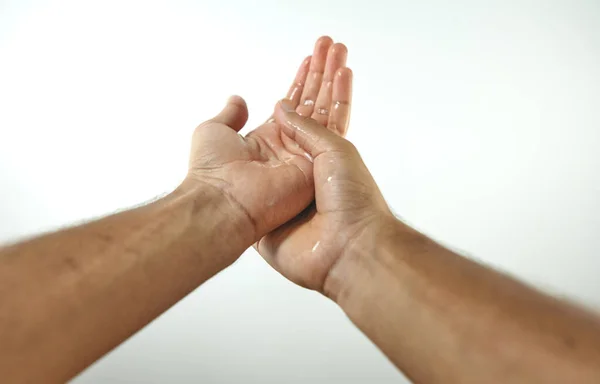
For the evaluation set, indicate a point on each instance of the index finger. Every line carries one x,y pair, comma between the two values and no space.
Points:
297,86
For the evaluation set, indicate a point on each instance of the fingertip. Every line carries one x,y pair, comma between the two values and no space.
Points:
284,109
344,73
236,100
287,106
324,40
234,114
339,49
320,52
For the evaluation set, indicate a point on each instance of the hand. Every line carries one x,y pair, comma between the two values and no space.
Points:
266,176
348,208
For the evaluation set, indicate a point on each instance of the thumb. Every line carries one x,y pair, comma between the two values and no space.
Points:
311,136
234,114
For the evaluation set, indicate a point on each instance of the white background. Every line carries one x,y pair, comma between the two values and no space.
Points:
479,119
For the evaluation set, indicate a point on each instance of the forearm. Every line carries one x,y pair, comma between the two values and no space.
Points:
443,318
69,297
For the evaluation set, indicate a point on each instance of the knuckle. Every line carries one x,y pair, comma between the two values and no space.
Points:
350,147
342,145
204,124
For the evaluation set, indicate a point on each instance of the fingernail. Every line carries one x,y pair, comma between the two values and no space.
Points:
287,105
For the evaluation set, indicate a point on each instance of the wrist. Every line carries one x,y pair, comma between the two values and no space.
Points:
373,251
213,212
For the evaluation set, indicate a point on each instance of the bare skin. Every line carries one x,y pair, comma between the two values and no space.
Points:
301,193
439,317
69,297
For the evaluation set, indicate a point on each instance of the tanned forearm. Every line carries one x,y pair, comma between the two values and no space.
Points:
442,318
69,297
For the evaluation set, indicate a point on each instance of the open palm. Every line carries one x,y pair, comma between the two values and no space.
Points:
305,248
265,174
